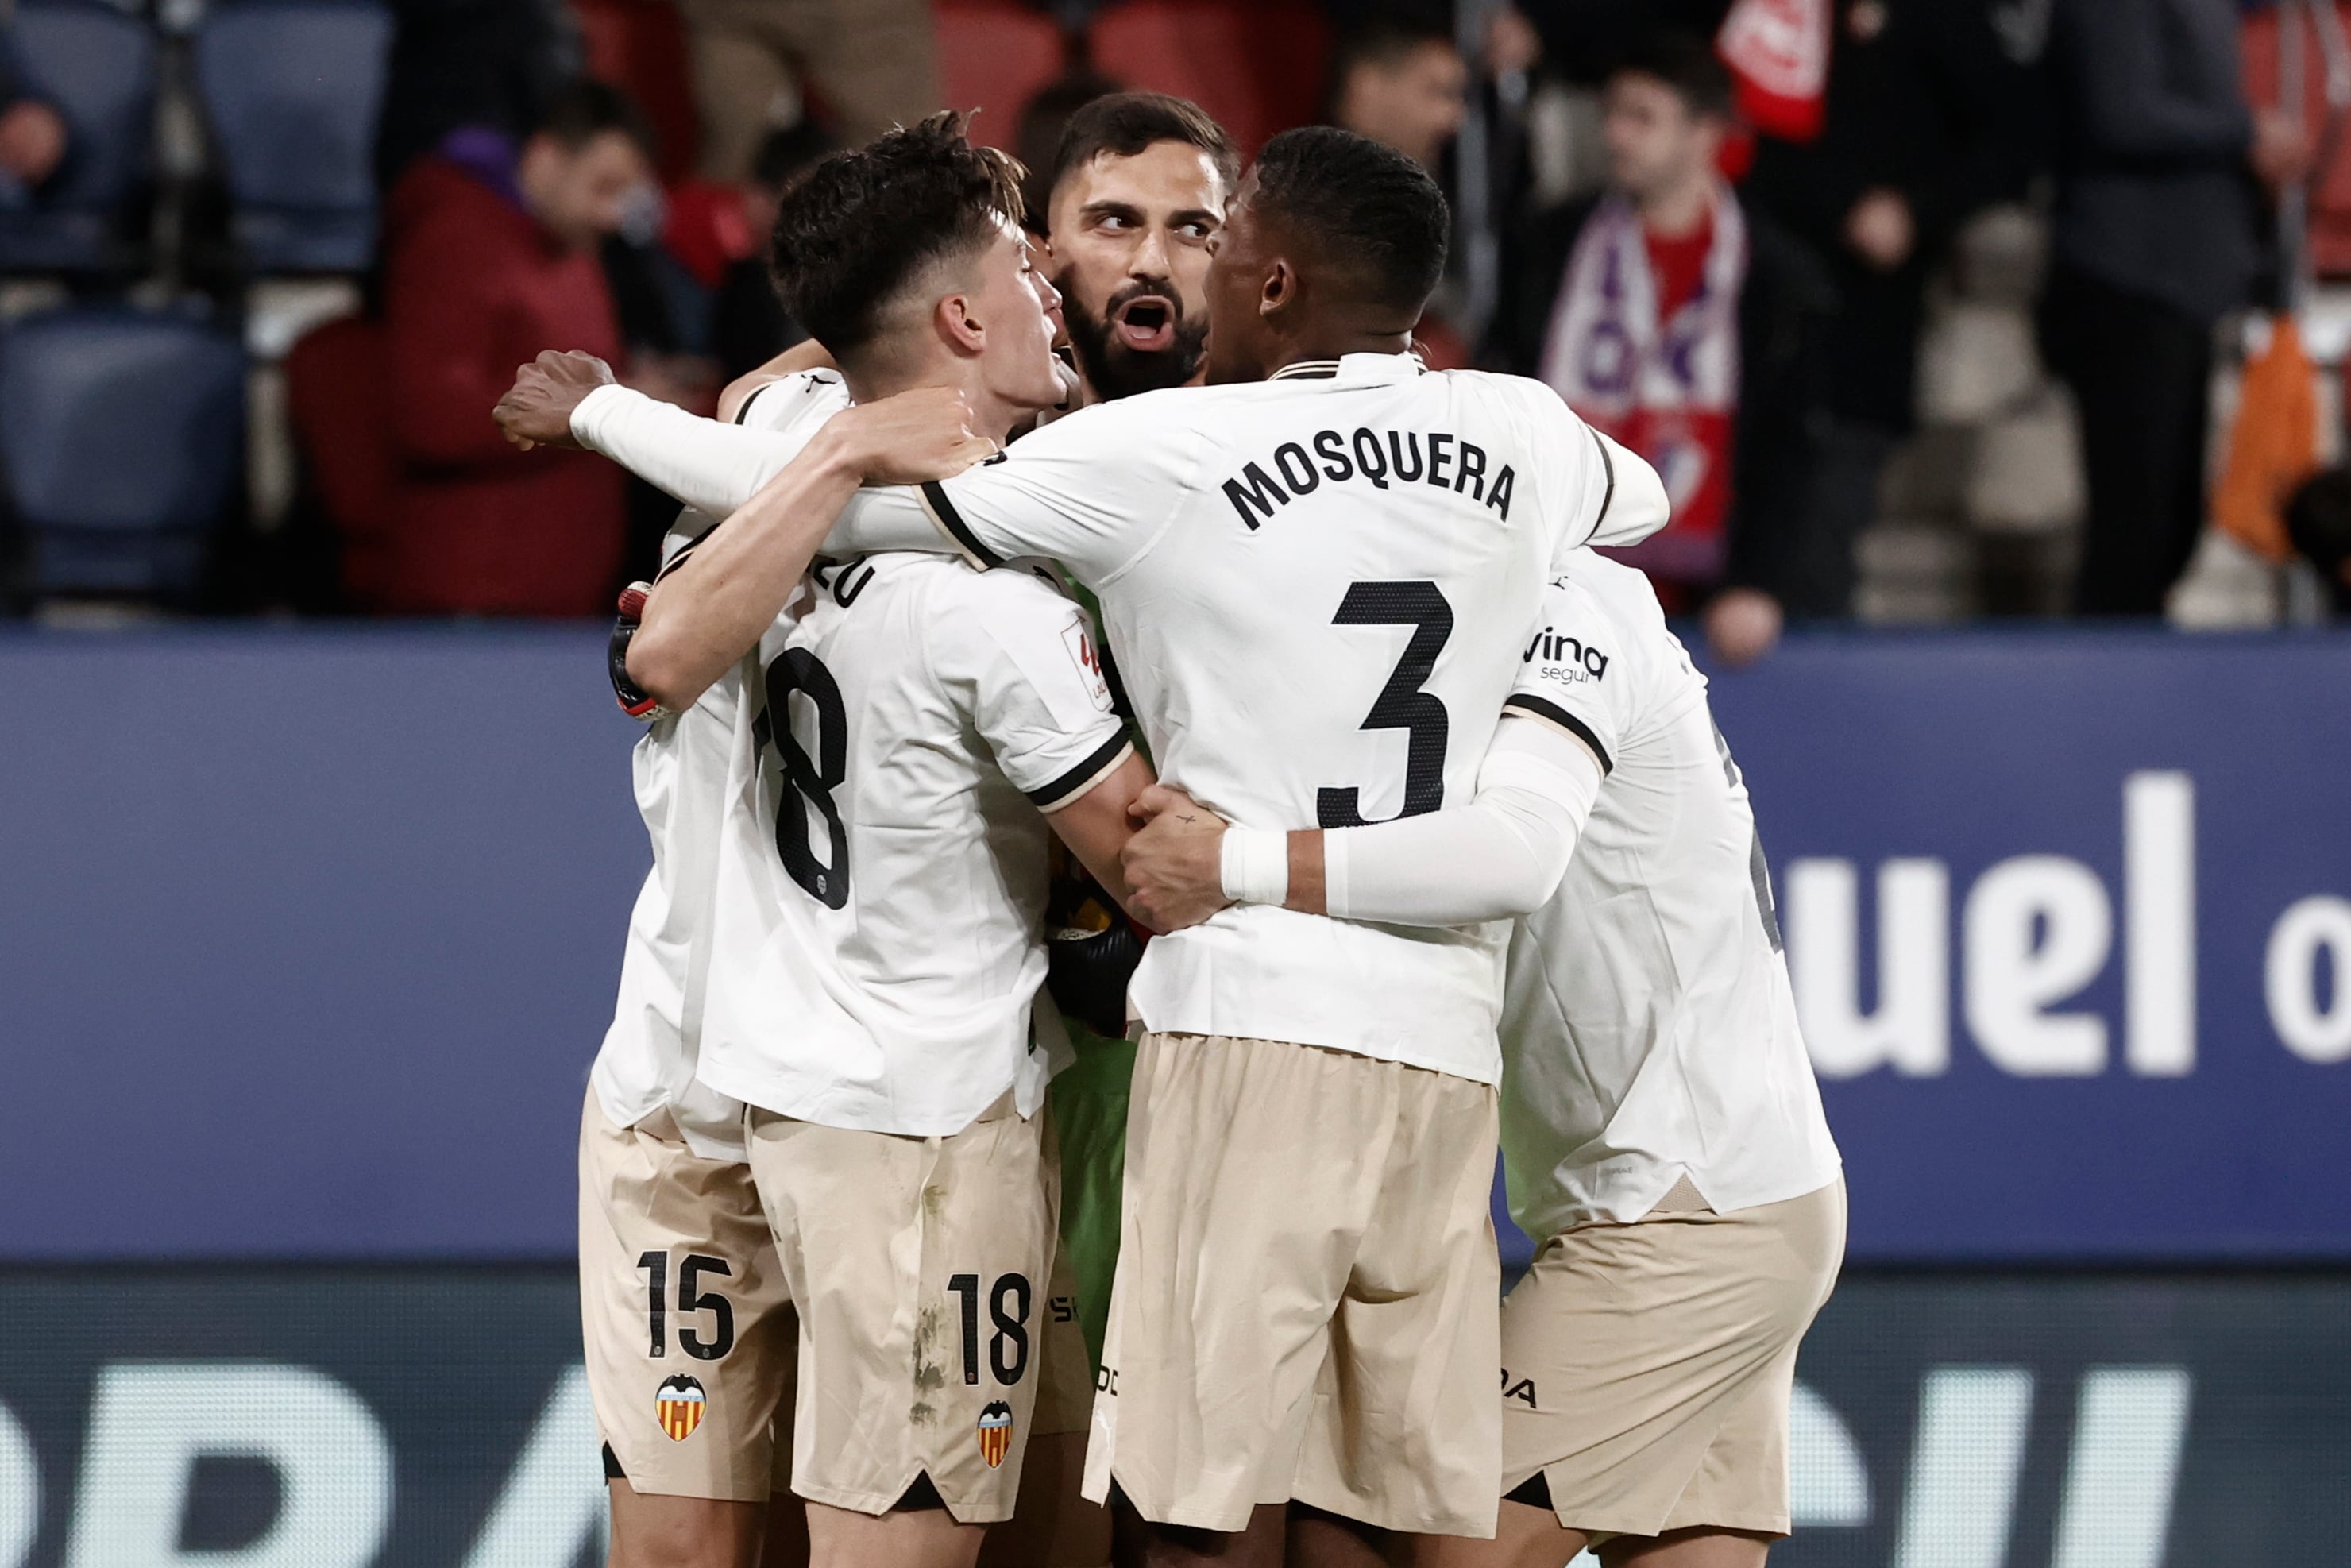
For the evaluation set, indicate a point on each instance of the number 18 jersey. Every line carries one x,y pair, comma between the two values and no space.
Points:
878,940
1316,587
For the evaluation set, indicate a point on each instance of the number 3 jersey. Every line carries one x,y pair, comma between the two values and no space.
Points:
878,939
1315,586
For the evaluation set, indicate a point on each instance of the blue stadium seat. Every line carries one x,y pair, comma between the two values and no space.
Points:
122,439
98,67
293,89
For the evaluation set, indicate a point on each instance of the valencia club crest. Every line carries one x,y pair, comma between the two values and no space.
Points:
680,1404
995,1432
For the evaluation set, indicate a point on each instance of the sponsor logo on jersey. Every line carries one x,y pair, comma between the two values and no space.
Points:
1521,1389
680,1404
995,1432
1574,662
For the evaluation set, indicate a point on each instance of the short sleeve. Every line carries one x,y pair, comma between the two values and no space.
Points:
1577,672
1600,492
1034,677
1093,490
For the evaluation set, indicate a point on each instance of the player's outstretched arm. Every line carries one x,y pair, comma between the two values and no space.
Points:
1499,857
1097,825
712,607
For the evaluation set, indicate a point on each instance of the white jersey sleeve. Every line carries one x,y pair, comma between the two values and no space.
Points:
1611,495
1564,679
1094,491
1021,656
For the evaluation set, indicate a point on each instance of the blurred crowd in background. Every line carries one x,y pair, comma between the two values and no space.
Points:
1926,309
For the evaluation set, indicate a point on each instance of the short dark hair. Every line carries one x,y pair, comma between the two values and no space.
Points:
863,225
1364,205
579,111
1126,123
1387,37
1686,63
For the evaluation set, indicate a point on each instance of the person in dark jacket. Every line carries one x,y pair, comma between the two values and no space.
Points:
1671,316
2154,242
1926,121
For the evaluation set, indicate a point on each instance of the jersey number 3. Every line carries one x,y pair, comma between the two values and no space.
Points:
1402,703
806,777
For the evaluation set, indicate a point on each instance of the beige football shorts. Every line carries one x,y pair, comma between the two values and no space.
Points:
923,1271
1646,1368
1304,1303
689,1333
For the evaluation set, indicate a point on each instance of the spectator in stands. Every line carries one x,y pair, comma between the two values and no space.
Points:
1396,77
872,63
1582,41
1689,328
1921,129
747,323
459,63
490,255
2153,242
32,132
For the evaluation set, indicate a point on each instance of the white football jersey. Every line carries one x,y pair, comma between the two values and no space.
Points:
879,940
680,767
1650,1032
1315,586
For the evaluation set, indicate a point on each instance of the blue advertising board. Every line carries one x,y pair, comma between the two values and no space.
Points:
436,1416
309,936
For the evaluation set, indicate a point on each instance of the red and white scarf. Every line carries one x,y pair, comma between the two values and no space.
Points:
1667,389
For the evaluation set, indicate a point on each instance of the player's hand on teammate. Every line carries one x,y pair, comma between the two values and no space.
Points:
926,434
1174,863
537,410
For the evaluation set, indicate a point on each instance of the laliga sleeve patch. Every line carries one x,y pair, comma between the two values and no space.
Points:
1079,638
996,1433
679,1403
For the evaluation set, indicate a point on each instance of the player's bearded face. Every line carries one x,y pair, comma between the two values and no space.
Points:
1139,340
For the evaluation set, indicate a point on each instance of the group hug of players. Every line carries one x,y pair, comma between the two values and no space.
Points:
1423,804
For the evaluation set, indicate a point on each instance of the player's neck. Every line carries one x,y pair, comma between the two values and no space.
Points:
1337,341
990,416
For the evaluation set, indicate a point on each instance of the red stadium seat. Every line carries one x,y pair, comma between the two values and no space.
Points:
639,46
993,57
1256,65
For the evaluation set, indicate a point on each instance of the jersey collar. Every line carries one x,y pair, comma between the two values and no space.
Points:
1355,368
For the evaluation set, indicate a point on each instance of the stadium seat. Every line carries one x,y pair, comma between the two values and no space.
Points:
292,90
1256,65
993,57
122,438
97,66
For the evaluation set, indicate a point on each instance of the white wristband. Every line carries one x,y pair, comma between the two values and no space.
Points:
1255,865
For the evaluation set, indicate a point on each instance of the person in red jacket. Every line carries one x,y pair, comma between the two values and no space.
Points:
490,255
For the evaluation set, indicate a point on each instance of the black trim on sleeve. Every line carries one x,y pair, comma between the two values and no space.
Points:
936,494
1608,466
1551,712
743,415
1057,794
